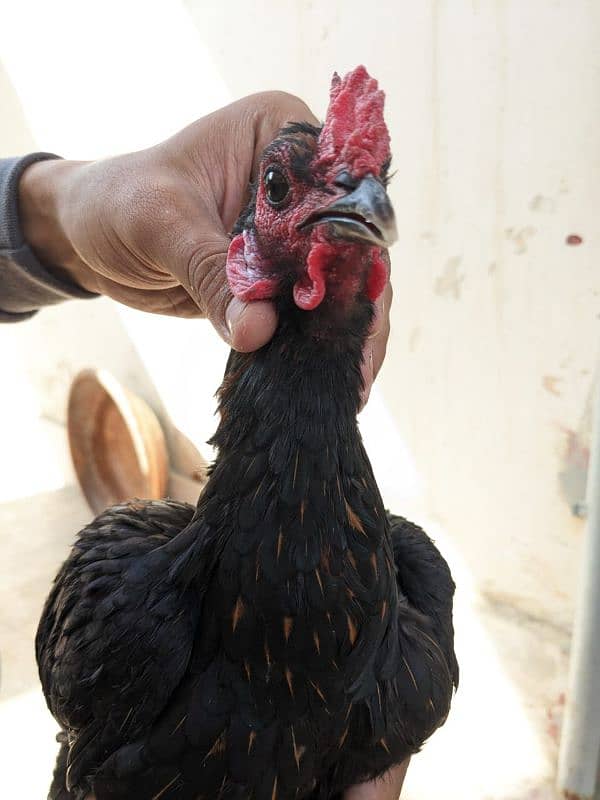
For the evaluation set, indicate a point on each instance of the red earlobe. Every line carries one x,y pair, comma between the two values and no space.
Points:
248,275
377,277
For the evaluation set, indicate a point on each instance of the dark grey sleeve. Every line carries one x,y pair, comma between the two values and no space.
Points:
25,284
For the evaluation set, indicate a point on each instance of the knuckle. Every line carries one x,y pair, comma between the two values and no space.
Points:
149,208
207,281
282,106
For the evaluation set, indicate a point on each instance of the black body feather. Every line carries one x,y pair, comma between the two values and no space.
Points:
285,639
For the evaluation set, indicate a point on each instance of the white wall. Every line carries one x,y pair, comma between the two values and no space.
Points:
494,110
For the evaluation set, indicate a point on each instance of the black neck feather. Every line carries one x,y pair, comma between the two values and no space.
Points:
305,383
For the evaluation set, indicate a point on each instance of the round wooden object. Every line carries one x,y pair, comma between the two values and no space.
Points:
117,445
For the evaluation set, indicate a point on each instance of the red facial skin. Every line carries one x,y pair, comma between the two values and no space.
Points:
344,267
354,139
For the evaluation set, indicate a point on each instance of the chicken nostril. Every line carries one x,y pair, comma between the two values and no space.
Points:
345,181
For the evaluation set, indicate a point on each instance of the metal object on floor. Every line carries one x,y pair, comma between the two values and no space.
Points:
579,757
118,447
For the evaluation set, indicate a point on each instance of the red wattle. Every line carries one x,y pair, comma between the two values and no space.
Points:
309,291
308,294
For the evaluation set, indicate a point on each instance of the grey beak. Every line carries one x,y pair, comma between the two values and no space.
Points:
365,214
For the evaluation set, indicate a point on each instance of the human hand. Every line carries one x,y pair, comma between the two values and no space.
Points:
376,344
388,787
150,229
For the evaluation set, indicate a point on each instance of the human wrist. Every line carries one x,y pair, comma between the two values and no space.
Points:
42,192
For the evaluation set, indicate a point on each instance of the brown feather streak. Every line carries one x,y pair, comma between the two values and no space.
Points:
298,751
238,613
318,691
218,747
343,737
410,672
179,724
289,678
165,788
318,574
317,642
351,629
353,519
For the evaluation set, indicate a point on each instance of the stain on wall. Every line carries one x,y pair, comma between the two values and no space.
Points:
449,283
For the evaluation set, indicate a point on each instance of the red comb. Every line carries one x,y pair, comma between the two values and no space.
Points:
354,136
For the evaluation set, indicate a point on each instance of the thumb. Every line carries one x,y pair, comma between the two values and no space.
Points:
250,325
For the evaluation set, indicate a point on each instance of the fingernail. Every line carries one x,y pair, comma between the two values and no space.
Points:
250,325
233,312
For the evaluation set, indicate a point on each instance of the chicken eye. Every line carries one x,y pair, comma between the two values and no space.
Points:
276,186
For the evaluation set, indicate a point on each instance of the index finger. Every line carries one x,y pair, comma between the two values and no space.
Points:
274,110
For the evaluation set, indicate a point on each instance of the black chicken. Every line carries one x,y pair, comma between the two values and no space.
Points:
286,638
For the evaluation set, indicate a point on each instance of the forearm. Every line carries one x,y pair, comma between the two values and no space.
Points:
27,282
388,787
41,190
